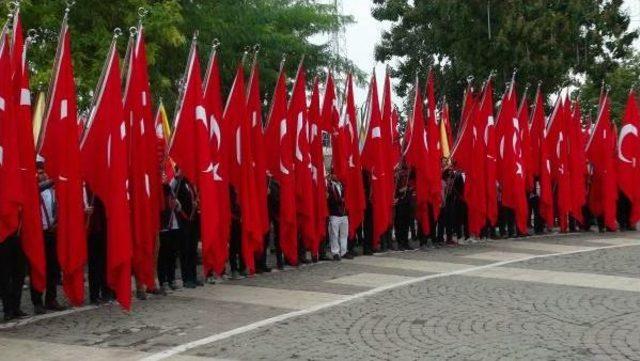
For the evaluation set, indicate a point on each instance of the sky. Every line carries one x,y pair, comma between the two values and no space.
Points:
362,36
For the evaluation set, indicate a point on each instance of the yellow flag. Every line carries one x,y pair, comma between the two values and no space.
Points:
166,129
444,141
38,114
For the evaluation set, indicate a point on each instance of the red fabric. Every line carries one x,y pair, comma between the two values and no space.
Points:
11,190
280,141
144,183
191,151
525,136
557,140
254,111
446,120
397,141
317,168
628,166
166,167
416,155
331,119
541,161
486,125
577,164
213,104
603,195
104,166
60,148
297,114
461,149
510,160
434,151
31,236
241,170
390,151
375,161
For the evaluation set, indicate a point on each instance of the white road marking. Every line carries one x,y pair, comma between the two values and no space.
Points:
408,264
560,278
369,280
272,320
45,316
262,296
546,247
496,256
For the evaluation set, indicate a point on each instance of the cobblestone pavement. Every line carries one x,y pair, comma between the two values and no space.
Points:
572,297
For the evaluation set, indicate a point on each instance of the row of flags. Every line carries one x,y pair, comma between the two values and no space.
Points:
229,153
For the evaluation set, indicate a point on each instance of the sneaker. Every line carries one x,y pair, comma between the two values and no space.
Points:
348,256
173,285
19,314
211,280
190,284
236,276
336,257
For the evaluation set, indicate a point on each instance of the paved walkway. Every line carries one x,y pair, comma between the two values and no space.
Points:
566,297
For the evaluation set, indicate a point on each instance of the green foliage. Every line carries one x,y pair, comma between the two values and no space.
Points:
279,26
545,40
620,81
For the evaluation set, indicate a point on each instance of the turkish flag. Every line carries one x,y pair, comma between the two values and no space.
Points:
331,120
144,163
462,147
254,109
434,150
375,162
416,155
279,139
11,190
525,137
212,98
242,172
541,162
390,152
577,164
297,117
486,125
601,148
191,151
317,166
32,240
557,140
163,134
352,179
60,147
628,162
104,166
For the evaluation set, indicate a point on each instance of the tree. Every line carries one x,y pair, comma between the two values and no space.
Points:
546,40
278,26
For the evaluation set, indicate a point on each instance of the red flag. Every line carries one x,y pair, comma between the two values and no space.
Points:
60,148
525,136
297,113
10,192
510,160
213,104
254,110
163,134
541,162
192,153
352,180
416,155
104,166
280,141
462,148
331,120
557,139
242,172
317,166
390,152
374,161
143,163
32,240
600,150
434,150
486,125
577,164
628,162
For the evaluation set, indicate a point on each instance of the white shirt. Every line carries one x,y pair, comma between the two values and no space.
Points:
48,208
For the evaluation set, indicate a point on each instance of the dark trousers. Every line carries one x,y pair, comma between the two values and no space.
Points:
189,254
506,222
53,272
276,243
236,262
167,255
402,223
12,272
538,222
97,260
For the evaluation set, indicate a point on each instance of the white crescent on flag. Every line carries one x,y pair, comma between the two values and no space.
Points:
624,132
214,130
